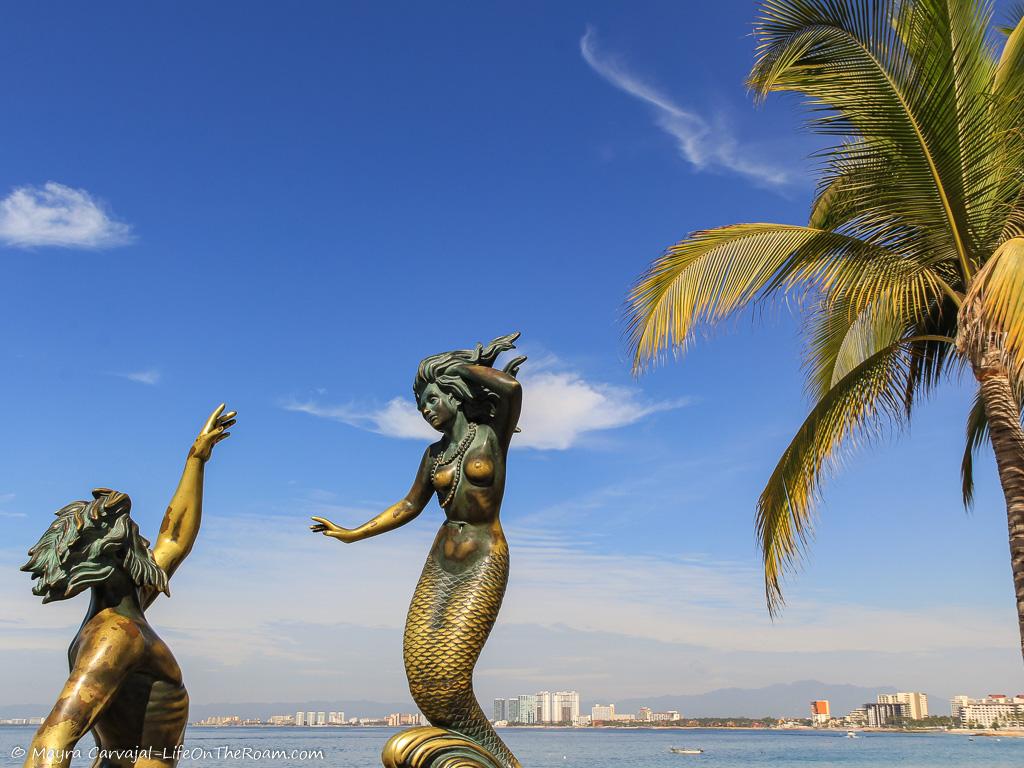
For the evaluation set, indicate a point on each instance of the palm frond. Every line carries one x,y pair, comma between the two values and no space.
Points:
1014,15
716,273
977,435
911,86
859,407
838,339
1008,124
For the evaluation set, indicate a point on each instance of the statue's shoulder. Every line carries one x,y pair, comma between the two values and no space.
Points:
110,631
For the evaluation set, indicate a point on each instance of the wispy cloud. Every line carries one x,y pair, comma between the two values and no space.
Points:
701,143
150,376
559,409
55,214
4,498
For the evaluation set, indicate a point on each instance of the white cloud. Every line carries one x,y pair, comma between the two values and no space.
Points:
55,214
702,144
398,418
559,408
150,376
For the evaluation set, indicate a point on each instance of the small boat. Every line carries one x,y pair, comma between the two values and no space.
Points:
686,750
851,735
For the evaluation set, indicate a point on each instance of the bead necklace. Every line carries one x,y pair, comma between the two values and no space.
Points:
460,452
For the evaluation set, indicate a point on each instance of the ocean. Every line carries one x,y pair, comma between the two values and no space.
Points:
586,748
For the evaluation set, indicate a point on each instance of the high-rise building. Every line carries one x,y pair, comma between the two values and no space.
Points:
645,714
881,715
321,718
602,713
512,710
820,713
956,704
918,702
299,718
500,710
565,707
544,706
527,708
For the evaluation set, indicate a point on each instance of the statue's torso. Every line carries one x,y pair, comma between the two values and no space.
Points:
472,525
149,711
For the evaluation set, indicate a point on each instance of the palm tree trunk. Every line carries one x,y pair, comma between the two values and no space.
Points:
1003,413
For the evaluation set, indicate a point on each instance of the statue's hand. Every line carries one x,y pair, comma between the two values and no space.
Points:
327,528
212,433
512,368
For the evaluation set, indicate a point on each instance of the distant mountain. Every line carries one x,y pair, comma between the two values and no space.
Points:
780,700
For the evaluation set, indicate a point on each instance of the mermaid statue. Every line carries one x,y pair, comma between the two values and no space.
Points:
475,407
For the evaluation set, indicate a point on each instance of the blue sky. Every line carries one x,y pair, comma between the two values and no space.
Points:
286,207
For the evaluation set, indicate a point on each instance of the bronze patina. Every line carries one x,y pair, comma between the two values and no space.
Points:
475,407
125,685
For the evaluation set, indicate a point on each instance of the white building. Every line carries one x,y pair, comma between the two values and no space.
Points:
543,706
671,716
918,702
321,718
527,708
956,704
565,707
602,713
299,718
311,718
995,709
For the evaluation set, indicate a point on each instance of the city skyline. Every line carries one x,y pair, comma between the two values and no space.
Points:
329,205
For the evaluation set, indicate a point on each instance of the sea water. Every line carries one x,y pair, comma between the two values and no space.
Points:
583,748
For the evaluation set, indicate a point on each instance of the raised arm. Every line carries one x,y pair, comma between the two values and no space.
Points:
106,657
393,517
181,521
509,391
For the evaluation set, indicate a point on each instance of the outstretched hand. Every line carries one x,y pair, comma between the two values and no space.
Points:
327,528
213,432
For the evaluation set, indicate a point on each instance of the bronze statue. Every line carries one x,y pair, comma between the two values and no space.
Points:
125,685
476,408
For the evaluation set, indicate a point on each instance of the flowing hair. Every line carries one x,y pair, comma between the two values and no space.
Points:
478,403
87,543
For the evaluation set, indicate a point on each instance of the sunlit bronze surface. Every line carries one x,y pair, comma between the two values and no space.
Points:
476,409
125,685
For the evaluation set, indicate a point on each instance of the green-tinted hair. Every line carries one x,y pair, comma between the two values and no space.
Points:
477,402
87,543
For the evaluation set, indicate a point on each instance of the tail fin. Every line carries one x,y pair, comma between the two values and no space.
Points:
430,747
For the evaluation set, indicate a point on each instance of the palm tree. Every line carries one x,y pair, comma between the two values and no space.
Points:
911,266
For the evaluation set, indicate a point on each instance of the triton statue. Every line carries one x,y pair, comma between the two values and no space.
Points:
476,408
125,685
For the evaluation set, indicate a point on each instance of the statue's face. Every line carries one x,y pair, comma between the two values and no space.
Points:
88,544
437,407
